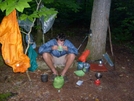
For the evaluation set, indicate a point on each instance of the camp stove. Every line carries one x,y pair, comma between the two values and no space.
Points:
98,76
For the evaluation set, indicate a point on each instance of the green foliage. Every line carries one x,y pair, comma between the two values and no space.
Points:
122,20
72,11
124,32
37,14
47,12
68,10
66,5
120,37
47,1
10,5
21,5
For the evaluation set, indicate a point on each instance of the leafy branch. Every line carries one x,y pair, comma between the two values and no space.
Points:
9,5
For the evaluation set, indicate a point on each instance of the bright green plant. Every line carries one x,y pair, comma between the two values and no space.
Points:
23,6
10,5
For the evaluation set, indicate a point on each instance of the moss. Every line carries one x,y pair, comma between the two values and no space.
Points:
5,96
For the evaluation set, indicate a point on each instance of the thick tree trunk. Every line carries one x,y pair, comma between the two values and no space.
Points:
99,25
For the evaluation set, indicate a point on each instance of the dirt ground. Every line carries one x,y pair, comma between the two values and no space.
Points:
117,84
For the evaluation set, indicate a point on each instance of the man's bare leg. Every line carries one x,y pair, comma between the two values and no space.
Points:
69,61
48,59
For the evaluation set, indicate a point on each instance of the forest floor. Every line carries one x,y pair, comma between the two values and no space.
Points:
117,84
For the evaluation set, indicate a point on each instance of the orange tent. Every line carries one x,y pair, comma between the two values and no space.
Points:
11,40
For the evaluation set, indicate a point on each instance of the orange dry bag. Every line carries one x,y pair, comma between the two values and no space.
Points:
11,40
84,56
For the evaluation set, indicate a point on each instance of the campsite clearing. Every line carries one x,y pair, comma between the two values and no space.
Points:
116,85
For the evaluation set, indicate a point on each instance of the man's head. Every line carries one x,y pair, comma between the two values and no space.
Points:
60,39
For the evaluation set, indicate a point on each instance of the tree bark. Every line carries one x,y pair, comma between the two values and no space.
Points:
39,36
99,25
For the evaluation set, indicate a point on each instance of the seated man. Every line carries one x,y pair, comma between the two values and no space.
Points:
58,51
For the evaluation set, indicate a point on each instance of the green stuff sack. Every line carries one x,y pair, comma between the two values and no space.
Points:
79,72
58,82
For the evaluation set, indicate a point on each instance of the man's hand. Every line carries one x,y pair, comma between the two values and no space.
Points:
55,47
65,48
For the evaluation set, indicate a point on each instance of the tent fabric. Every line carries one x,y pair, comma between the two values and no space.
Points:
25,24
46,24
11,40
32,55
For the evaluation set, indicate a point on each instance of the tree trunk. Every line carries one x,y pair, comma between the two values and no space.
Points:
39,35
99,25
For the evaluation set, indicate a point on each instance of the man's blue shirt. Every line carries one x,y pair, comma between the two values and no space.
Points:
47,47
